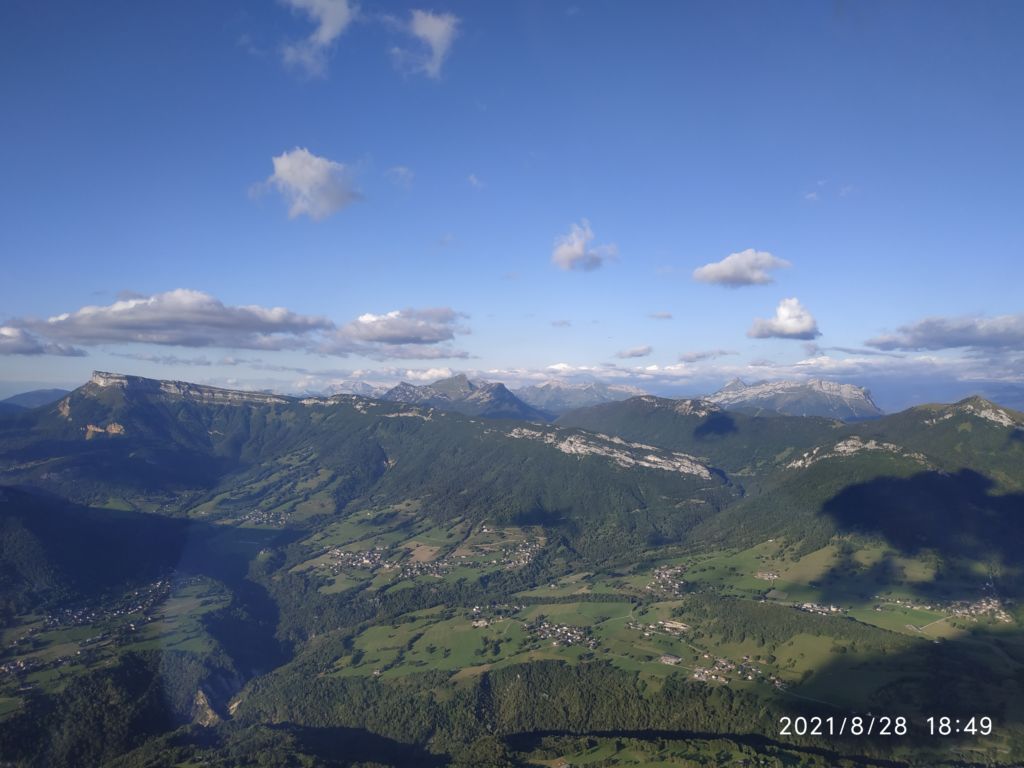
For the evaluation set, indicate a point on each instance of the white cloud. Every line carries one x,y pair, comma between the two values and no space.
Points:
474,181
188,318
407,326
934,333
185,318
400,176
561,323
661,315
18,341
428,374
573,251
400,334
436,32
332,17
747,267
791,321
313,186
632,352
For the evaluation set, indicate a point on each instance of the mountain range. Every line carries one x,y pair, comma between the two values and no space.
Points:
558,397
471,398
219,568
554,397
32,399
813,397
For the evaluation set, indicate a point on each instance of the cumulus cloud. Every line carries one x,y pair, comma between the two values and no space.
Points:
934,333
312,186
435,33
18,341
190,318
402,333
791,321
626,354
573,250
661,315
407,326
185,318
427,374
332,17
708,354
747,267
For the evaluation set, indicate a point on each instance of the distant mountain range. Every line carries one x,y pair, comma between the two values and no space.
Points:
34,398
814,397
472,398
553,398
559,397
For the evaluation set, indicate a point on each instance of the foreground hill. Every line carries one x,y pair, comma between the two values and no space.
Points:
926,474
736,441
175,447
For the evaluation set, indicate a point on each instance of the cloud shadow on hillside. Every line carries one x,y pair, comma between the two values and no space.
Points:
716,425
952,514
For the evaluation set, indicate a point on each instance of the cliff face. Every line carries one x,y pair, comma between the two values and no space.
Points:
197,392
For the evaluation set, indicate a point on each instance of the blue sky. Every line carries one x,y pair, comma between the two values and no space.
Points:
435,161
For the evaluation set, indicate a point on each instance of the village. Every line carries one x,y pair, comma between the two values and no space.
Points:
562,634
666,580
991,608
821,610
138,605
510,556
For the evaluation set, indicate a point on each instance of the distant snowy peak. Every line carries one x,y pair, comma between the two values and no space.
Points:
555,396
813,397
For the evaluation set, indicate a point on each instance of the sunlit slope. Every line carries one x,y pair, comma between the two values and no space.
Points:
736,442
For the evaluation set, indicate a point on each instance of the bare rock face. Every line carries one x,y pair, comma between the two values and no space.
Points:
202,712
197,392
113,428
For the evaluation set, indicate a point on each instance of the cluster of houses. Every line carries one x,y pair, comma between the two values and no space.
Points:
562,634
724,670
667,627
510,557
276,517
139,605
140,600
482,616
666,579
821,610
986,608
367,559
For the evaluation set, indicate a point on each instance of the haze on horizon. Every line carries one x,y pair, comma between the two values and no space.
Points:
289,194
